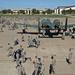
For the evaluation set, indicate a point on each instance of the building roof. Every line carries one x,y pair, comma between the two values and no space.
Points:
65,6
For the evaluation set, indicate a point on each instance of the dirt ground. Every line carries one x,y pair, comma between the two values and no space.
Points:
48,47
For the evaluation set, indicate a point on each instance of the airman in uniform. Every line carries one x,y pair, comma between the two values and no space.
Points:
24,29
73,30
10,48
73,34
16,41
70,32
42,68
1,29
21,70
44,32
63,35
29,41
17,58
23,55
21,48
40,60
13,55
22,37
53,64
37,41
70,56
36,65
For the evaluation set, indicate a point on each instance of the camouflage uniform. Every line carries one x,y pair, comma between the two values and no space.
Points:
17,58
44,32
42,68
23,54
36,65
10,48
40,60
70,56
13,55
1,29
37,42
22,37
29,41
16,41
63,35
53,64
21,70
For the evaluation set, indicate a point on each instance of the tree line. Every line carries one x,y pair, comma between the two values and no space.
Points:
69,11
48,11
34,11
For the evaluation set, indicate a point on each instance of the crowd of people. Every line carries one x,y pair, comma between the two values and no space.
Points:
39,67
33,42
19,55
72,32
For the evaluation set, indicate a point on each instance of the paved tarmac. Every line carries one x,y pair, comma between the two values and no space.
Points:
48,47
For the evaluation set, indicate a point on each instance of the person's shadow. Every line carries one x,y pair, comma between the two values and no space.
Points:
27,58
67,60
50,69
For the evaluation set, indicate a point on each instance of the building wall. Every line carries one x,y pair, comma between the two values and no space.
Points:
66,8
60,9
56,11
73,8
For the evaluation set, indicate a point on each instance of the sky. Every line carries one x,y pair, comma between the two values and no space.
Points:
38,4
